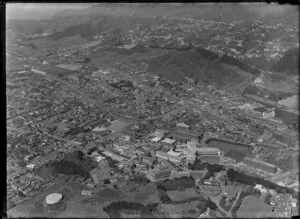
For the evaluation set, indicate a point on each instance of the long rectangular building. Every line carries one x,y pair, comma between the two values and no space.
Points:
205,151
166,156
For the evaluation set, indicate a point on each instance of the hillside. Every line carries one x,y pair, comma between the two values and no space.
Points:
289,62
27,27
204,66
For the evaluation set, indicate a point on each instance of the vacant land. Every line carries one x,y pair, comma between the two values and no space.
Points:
179,210
177,195
253,204
232,190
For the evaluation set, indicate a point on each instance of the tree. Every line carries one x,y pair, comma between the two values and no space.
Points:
106,181
267,198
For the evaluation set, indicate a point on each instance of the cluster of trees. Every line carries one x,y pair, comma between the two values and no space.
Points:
226,205
80,159
212,168
114,209
289,62
233,175
163,195
84,30
206,204
176,184
232,61
268,198
207,54
69,168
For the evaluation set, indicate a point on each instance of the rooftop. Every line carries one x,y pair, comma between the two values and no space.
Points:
156,139
168,140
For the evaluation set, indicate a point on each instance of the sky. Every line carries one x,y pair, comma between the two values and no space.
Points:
39,11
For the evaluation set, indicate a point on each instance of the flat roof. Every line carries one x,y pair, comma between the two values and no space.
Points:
173,153
208,149
156,139
168,140
167,155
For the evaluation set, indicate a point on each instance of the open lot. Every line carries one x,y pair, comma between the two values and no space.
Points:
254,207
212,190
179,210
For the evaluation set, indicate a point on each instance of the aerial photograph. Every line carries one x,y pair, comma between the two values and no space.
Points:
152,110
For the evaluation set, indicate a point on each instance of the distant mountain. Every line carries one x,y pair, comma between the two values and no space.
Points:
28,27
289,62
123,15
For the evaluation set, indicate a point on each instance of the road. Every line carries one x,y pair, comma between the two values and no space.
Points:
283,175
235,201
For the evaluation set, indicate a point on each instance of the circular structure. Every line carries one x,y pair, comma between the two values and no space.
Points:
53,198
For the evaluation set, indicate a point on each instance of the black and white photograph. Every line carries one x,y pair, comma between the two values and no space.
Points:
151,110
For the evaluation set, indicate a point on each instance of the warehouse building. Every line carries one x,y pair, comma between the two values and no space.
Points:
205,151
168,142
169,157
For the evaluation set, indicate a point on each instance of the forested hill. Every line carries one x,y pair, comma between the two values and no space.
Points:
289,62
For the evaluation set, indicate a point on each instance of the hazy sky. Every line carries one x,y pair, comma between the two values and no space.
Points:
39,10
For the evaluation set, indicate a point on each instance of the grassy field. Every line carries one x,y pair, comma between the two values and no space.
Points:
231,190
212,190
179,210
253,204
177,195
28,208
